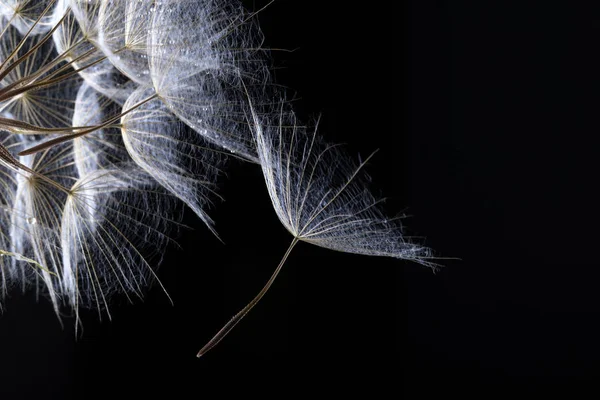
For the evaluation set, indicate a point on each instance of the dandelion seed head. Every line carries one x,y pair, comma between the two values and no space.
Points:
115,114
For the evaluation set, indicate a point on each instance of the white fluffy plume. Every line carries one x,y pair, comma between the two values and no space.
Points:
174,155
198,72
322,197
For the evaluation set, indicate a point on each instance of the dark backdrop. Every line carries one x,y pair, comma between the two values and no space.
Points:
500,167
485,117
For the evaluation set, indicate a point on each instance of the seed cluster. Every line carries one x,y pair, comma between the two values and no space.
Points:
113,111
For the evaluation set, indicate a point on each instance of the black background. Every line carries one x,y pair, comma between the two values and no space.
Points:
485,114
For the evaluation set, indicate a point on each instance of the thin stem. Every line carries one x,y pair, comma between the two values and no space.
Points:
33,49
238,317
15,126
10,161
47,82
24,38
65,138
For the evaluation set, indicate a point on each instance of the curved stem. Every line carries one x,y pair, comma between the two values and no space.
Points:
238,317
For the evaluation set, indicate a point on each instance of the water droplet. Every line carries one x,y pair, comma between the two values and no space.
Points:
32,220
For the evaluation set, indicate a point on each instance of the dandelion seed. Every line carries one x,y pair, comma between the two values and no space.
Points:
123,35
113,224
9,273
198,72
176,157
320,197
48,107
76,38
104,149
40,195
